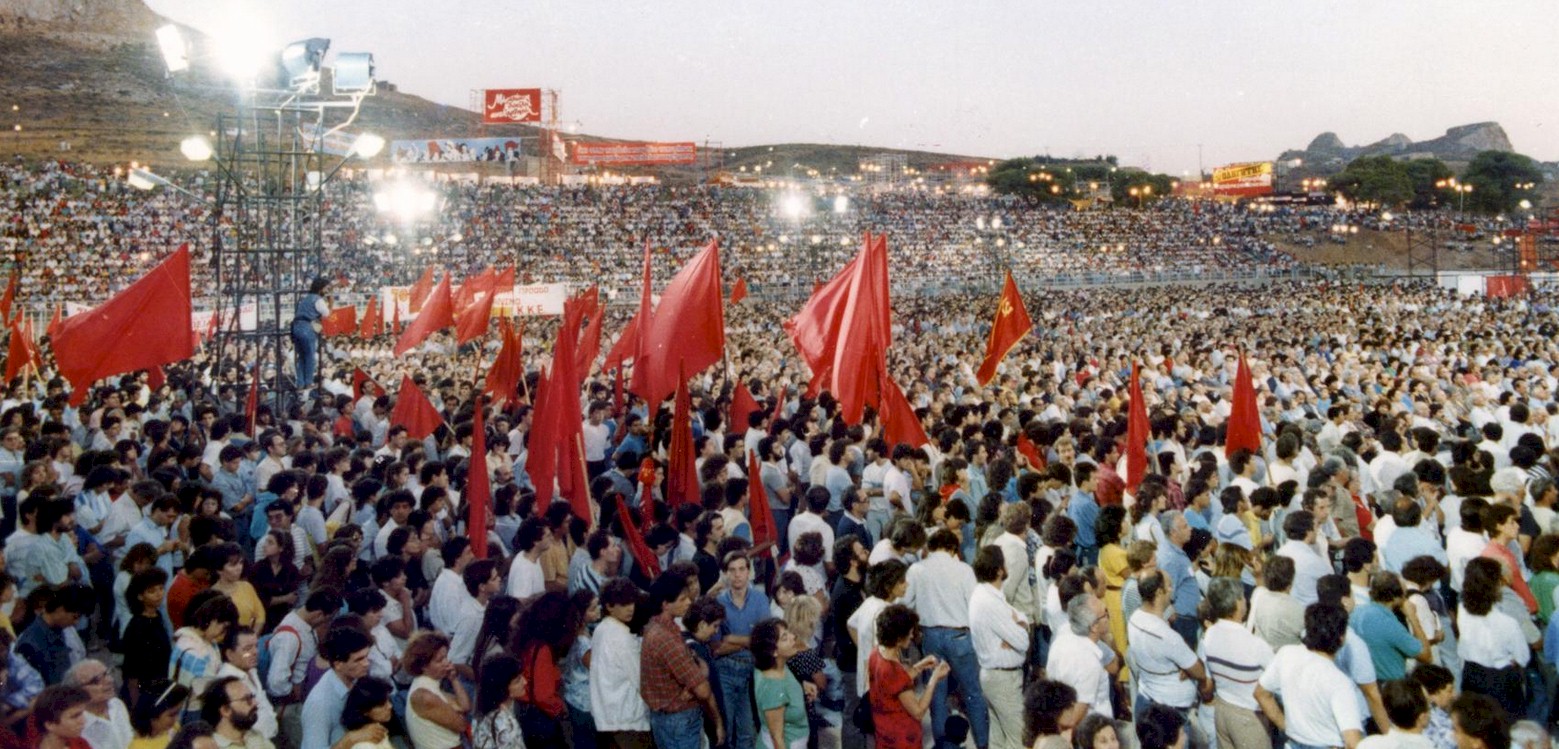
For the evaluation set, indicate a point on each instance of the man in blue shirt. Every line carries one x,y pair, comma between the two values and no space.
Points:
744,606
346,650
1084,510
1176,565
1410,539
43,643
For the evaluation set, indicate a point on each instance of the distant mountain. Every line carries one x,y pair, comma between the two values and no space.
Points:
1327,153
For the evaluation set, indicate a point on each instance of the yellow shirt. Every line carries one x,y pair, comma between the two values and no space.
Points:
251,612
152,742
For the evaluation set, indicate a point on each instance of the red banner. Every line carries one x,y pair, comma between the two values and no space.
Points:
503,106
1499,287
634,153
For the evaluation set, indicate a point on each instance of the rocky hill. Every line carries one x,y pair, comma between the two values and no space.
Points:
1328,153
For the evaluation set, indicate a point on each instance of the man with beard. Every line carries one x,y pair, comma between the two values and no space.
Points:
229,706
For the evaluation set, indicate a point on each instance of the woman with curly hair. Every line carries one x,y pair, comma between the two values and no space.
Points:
546,633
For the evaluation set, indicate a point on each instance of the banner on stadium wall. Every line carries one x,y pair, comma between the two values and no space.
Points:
1243,180
454,150
613,154
540,299
200,320
505,106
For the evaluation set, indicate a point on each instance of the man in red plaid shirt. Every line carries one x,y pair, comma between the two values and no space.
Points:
673,680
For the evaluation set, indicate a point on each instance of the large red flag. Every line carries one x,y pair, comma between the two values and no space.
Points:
742,404
764,529
815,329
503,378
479,492
1136,434
340,321
739,291
20,353
141,327
438,313
590,340
413,411
482,282
541,461
156,378
419,290
373,319
9,297
475,317
639,326
1028,449
899,424
643,555
860,355
361,378
682,468
564,435
626,346
1011,324
505,281
59,317
1244,429
687,332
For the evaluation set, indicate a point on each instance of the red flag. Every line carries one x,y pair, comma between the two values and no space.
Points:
557,434
1029,450
211,325
373,319
505,281
141,327
395,324
764,529
54,322
626,346
682,468
419,290
252,400
504,377
779,403
361,378
1136,434
1011,324
481,283
9,296
617,398
687,332
843,332
475,318
742,404
739,291
590,341
479,492
640,326
156,378
1244,429
21,353
340,321
413,411
899,424
541,462
437,313
815,329
643,555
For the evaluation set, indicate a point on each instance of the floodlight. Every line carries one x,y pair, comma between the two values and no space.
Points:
353,73
301,61
406,200
841,204
367,145
196,148
793,206
142,179
175,50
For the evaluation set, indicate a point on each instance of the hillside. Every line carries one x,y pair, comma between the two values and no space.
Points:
1327,154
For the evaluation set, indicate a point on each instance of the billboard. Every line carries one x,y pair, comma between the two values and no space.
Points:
618,154
506,106
450,150
1243,180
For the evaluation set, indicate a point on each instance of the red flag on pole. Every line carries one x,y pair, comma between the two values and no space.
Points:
1029,450
742,404
1011,324
764,529
687,332
438,313
899,423
20,352
505,281
413,411
1244,430
156,378
682,469
361,378
475,319
843,332
739,291
419,290
9,297
1136,434
59,317
141,327
640,325
340,321
643,555
252,400
779,403
503,378
373,319
541,462
625,348
590,340
478,489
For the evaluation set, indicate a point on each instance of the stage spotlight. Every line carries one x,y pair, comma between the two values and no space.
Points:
301,60
794,206
175,50
841,204
406,201
195,148
353,73
367,146
142,179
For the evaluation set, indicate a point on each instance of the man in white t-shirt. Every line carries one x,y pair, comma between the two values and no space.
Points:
526,579
1319,707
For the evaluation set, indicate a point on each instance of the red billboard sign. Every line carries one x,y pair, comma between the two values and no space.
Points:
617,154
504,106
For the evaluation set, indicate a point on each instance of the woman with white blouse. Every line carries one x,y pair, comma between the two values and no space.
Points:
1493,650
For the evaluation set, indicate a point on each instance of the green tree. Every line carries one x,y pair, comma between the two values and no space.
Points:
1500,181
1425,174
1375,179
1147,187
1039,179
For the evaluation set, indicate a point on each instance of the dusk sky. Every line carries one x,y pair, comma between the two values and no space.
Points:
1145,80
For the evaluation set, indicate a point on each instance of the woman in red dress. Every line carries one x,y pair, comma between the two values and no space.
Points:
896,706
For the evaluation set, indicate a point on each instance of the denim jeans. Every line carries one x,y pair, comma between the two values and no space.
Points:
736,685
684,730
956,647
306,343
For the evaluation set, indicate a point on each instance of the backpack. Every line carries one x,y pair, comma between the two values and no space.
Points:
264,666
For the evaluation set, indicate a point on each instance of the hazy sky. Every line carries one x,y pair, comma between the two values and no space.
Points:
1146,80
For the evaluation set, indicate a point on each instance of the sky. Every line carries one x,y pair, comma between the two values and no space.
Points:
1164,85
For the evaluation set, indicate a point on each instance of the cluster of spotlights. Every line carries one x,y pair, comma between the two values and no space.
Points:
246,55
